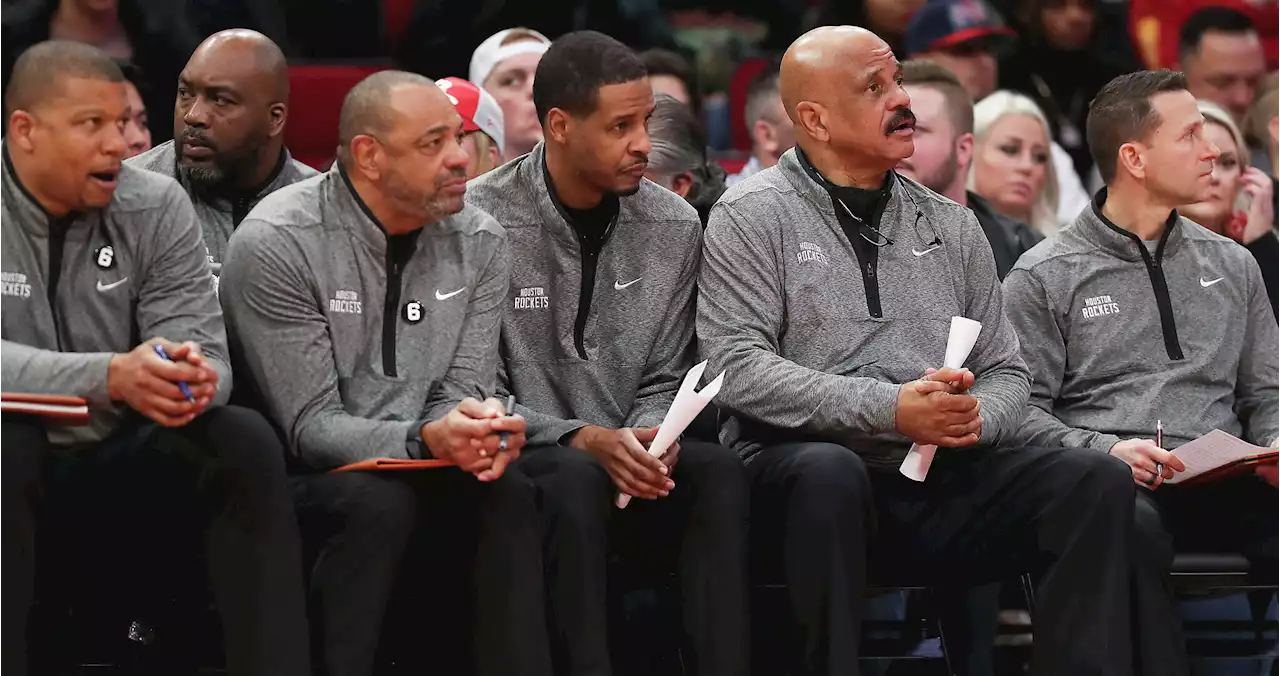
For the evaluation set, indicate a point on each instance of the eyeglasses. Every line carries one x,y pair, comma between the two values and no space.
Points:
863,228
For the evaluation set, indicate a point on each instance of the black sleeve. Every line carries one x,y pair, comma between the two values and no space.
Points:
1266,250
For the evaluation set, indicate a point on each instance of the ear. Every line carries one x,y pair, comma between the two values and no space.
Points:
21,126
558,126
278,114
1132,160
766,139
495,157
1273,129
812,118
682,183
367,155
964,152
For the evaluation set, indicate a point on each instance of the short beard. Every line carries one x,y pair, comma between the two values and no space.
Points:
221,174
411,200
941,179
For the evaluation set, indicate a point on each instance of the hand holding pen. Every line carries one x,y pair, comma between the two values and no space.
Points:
166,382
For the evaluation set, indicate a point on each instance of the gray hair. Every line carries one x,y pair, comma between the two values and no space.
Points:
679,145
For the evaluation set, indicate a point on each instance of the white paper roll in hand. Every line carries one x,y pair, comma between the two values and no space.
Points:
964,333
687,405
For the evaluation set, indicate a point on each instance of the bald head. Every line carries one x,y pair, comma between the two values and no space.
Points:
817,62
370,109
40,72
246,56
842,88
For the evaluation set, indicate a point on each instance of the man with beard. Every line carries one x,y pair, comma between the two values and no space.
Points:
597,335
943,151
96,257
228,129
827,286
366,303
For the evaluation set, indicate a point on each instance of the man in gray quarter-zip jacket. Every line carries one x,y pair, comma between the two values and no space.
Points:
596,338
365,306
1135,316
228,133
96,257
827,287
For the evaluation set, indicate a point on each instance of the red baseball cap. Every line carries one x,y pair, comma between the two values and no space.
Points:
479,110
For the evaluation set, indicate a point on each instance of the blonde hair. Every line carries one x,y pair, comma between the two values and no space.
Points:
484,144
1260,114
988,111
1217,115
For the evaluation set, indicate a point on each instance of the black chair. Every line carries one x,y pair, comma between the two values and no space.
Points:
1203,575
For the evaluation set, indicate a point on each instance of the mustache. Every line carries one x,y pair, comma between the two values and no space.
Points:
451,176
192,135
900,116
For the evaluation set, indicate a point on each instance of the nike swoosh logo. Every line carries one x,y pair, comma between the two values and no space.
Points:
112,285
619,286
451,294
1210,282
921,253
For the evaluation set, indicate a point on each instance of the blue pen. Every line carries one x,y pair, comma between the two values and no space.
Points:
182,384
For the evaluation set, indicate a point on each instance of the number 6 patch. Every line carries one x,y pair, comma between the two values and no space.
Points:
105,257
412,312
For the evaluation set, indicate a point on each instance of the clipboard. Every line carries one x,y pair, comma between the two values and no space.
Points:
392,465
59,409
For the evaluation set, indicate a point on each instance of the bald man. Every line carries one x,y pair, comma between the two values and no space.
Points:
827,287
228,133
107,298
366,304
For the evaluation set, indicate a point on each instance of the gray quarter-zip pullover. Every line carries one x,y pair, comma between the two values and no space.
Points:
1120,333
82,288
219,216
351,349
783,308
592,338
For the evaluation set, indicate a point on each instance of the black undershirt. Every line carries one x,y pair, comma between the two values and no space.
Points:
867,205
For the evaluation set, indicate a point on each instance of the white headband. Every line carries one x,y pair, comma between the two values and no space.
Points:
484,61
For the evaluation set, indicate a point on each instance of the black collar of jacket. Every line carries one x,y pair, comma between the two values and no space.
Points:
551,212
867,205
894,207
369,229
32,215
1122,243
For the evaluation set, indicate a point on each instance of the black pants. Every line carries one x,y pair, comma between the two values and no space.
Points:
227,465
360,524
1236,515
981,516
702,525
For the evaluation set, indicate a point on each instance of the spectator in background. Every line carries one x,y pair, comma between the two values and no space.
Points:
1058,65
678,157
772,133
1262,128
963,36
944,148
153,34
1221,53
673,75
1154,26
228,126
137,135
482,124
1012,167
1240,201
504,65
886,18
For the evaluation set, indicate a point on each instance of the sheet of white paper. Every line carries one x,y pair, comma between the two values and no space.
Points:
686,406
964,333
1211,451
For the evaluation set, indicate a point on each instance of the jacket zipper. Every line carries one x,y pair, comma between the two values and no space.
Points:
1163,303
390,313
57,243
590,259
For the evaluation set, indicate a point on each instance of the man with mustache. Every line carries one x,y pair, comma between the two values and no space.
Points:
228,133
366,304
1199,341
827,287
107,297
596,337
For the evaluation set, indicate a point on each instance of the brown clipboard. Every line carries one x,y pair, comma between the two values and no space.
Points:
392,465
55,408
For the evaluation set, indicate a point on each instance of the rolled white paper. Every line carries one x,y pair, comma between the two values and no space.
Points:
686,406
964,333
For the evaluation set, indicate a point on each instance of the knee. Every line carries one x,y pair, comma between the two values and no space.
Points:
512,491
828,469
243,440
1105,476
364,502
575,480
716,474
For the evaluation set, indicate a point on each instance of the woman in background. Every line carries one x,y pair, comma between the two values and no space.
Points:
678,159
1240,203
1012,162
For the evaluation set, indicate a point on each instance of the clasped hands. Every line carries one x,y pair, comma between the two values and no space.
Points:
938,410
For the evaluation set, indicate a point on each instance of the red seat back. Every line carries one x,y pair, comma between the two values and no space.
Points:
739,135
315,99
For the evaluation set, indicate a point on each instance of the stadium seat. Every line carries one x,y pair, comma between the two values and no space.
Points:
738,132
316,93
